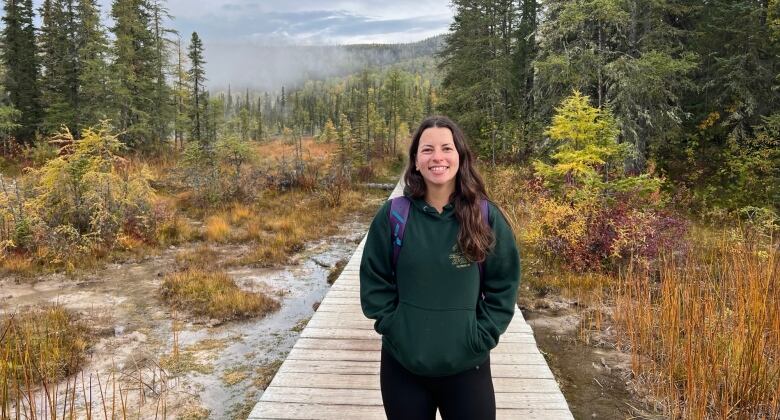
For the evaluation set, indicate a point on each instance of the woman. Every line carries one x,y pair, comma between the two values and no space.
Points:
438,315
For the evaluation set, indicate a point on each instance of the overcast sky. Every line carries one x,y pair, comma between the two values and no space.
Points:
312,21
228,26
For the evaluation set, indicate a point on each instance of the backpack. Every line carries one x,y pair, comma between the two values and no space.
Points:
398,215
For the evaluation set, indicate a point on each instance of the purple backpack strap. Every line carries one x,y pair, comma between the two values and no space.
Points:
399,214
483,206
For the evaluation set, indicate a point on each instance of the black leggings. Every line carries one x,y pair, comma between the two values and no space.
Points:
467,395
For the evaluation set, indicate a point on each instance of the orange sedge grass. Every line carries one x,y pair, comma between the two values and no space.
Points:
704,331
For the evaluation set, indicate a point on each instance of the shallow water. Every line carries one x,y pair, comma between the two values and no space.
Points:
121,302
593,379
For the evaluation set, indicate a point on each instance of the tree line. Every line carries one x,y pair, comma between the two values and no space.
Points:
152,87
694,86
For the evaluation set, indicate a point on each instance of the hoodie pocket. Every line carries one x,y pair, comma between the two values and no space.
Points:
387,323
433,342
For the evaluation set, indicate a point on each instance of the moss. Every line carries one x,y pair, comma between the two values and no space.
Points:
300,325
335,272
235,375
265,373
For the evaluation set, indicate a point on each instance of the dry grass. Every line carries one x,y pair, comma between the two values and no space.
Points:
202,257
38,348
265,373
214,294
277,148
174,230
283,222
235,375
19,265
704,332
217,229
240,214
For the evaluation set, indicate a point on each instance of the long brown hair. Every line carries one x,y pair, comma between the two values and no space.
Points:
475,239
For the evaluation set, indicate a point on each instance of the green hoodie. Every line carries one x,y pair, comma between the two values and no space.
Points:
431,318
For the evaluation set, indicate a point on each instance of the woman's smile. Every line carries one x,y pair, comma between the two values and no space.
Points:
437,159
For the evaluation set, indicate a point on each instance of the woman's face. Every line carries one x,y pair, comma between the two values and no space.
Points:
437,159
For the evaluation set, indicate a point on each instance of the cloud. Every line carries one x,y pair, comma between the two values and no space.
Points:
232,30
315,26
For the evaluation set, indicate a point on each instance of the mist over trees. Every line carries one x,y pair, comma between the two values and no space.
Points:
73,72
266,67
694,88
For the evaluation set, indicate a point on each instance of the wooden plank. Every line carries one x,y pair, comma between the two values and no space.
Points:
337,320
352,309
504,352
373,397
348,333
372,367
333,319
332,366
276,410
533,414
370,381
324,344
363,397
347,355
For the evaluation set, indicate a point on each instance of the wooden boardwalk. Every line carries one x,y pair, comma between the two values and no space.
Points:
332,372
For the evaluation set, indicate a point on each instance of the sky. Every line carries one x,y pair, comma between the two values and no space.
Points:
236,31
312,21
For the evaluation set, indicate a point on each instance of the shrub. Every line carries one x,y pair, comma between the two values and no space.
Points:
78,202
582,208
585,234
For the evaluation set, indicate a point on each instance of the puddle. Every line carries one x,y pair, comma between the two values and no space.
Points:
593,379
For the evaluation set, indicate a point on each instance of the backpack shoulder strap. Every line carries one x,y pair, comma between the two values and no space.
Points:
485,209
398,215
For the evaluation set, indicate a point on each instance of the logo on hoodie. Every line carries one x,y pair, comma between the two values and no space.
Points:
457,258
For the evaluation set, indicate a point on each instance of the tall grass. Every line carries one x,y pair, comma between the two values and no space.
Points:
42,355
51,341
704,331
700,319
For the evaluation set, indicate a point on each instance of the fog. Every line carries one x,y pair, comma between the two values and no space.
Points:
269,67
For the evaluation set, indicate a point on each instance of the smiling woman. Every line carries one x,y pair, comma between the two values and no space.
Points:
442,300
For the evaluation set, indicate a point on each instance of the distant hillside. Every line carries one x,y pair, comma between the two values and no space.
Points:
268,67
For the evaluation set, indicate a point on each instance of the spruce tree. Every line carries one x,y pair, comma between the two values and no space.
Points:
19,56
182,91
197,76
162,107
60,66
134,71
626,55
94,98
